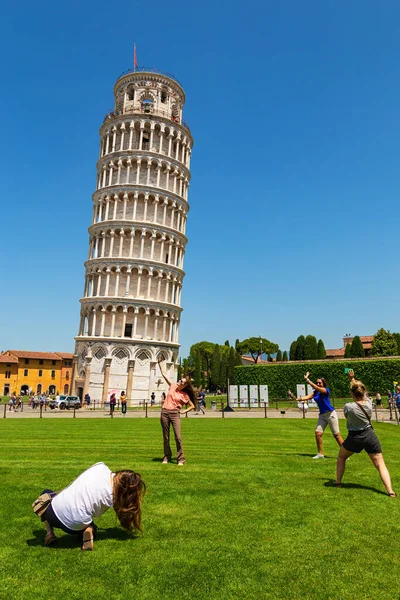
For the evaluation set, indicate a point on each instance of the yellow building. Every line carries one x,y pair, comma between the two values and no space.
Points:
24,372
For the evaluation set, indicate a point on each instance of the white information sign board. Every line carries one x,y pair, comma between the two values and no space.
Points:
310,390
244,395
264,395
254,396
301,390
233,395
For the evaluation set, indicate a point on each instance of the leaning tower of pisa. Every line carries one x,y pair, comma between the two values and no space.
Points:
131,306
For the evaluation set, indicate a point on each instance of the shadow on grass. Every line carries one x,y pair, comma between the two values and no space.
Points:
356,486
302,454
159,460
69,542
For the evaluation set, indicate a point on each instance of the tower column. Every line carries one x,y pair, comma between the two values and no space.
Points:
107,365
88,361
129,379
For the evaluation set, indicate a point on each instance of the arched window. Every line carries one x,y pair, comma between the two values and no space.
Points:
52,389
147,105
66,388
146,141
164,96
39,388
67,375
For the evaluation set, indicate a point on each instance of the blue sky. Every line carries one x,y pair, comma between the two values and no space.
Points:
294,108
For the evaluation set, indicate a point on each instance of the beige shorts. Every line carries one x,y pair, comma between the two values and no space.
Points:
328,418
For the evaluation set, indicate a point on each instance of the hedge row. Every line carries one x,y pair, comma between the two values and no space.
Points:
378,375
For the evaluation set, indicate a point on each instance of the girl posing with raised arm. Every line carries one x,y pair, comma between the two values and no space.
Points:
89,496
361,435
178,395
327,413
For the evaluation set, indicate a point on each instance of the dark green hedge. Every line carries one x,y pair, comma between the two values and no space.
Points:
378,375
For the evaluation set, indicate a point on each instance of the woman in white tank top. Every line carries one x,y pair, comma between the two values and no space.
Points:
92,493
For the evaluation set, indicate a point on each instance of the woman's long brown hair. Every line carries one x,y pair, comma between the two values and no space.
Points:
189,390
128,490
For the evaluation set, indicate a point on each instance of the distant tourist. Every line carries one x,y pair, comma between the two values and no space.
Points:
378,399
179,394
113,402
397,397
152,399
327,413
122,399
361,435
95,491
200,402
87,400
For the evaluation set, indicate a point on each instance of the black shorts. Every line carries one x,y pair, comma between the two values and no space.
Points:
366,440
50,516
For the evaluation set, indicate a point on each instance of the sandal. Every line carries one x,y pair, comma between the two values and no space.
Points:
88,539
50,538
392,494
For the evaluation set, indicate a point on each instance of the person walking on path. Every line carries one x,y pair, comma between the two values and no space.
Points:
179,394
113,402
361,435
152,400
327,413
200,402
90,495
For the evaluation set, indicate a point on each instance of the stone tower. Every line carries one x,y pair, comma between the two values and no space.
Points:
131,306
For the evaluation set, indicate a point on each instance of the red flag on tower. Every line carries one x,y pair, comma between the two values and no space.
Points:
135,62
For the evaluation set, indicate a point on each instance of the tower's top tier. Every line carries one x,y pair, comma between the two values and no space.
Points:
149,91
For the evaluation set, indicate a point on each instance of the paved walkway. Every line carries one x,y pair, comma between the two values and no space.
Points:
272,413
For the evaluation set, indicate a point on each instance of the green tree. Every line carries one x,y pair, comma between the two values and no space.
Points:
188,367
197,370
357,349
236,344
215,367
397,338
310,348
206,349
238,359
284,356
269,358
321,352
255,346
300,347
227,343
279,355
383,344
292,351
231,365
223,370
347,351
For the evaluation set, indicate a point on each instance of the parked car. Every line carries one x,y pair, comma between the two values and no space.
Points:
66,402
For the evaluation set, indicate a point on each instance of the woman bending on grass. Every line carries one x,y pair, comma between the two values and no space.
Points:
361,435
89,496
178,395
327,413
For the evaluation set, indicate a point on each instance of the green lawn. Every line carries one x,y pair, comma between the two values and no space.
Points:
251,515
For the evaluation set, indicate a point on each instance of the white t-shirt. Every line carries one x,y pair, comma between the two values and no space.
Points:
89,496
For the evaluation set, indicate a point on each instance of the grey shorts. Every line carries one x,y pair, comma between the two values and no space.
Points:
328,418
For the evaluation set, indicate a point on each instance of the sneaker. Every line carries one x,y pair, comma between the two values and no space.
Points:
319,456
181,463
165,461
